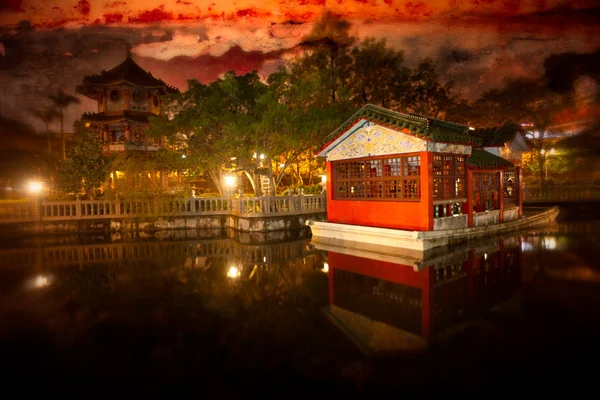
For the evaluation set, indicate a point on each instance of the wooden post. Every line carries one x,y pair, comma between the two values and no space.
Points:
469,198
520,191
78,208
501,198
126,99
426,184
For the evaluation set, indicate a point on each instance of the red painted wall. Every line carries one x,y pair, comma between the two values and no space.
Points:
396,273
409,215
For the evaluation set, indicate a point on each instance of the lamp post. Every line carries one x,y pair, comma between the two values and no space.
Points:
35,189
550,153
230,181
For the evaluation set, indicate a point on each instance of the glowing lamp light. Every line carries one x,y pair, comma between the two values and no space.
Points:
230,180
325,267
34,187
41,281
233,272
87,124
324,178
183,156
262,157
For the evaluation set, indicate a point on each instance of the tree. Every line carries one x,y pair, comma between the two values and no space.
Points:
61,101
525,101
84,170
289,130
425,94
211,123
47,115
377,74
329,45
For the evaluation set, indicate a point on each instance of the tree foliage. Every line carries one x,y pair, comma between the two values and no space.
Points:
210,123
85,169
522,100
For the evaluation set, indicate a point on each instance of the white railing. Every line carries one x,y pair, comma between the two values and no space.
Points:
561,193
278,205
99,209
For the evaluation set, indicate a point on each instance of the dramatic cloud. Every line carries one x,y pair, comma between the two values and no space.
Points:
47,45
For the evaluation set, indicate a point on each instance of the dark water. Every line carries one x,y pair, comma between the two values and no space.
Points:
243,315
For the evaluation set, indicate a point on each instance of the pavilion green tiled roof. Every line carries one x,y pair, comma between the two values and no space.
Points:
430,129
482,159
124,116
128,72
497,136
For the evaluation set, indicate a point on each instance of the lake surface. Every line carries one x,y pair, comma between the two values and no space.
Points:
246,315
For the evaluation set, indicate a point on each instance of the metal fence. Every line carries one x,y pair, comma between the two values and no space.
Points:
100,209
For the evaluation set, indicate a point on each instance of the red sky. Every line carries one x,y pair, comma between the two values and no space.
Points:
476,43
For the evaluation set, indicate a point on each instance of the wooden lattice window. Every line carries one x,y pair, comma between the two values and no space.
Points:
381,178
486,187
449,176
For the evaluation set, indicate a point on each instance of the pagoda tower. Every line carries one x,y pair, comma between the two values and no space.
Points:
127,96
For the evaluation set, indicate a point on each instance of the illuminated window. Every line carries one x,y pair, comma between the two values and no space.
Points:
449,176
378,178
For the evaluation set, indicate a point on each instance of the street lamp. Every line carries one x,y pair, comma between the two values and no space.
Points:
35,187
230,181
550,153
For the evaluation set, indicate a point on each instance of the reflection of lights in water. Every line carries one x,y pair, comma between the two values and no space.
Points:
264,259
485,256
526,246
325,267
233,272
549,243
40,281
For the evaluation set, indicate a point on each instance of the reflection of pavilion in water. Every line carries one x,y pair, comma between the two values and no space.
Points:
386,306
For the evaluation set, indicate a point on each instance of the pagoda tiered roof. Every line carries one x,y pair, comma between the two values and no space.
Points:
497,136
129,73
116,118
429,129
481,159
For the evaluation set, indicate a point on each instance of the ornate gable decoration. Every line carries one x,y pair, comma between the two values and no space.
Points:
375,140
